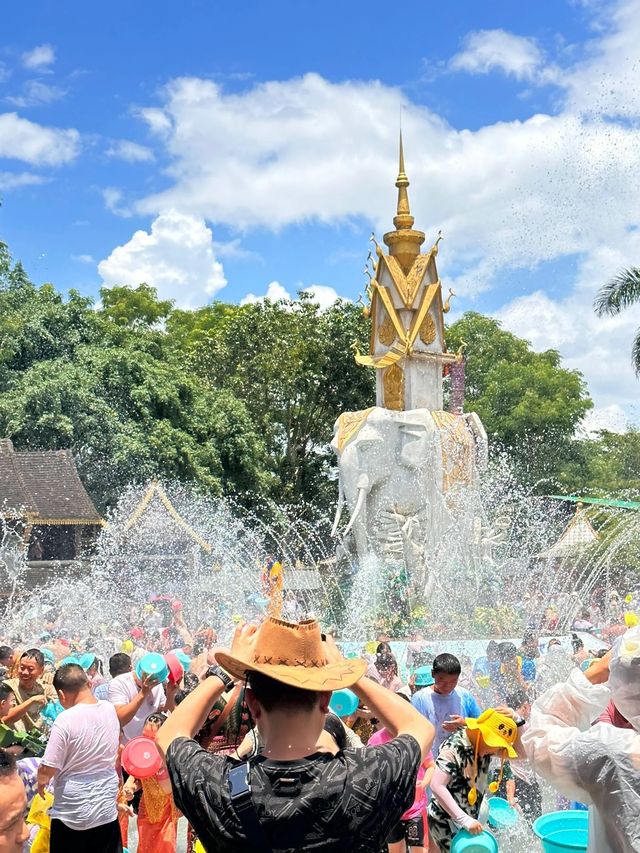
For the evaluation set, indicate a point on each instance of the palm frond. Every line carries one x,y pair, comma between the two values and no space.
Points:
619,293
635,353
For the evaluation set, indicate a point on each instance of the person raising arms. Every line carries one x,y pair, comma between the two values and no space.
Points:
291,795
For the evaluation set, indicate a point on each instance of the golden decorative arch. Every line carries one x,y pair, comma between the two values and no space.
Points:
427,330
387,331
393,384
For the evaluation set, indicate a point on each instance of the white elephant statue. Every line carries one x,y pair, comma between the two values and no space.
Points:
400,472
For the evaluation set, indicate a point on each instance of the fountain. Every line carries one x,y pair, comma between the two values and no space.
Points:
407,467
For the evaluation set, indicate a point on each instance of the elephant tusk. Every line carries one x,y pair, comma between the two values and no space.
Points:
362,493
339,507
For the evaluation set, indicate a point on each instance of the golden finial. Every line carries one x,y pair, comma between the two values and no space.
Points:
447,305
404,243
403,218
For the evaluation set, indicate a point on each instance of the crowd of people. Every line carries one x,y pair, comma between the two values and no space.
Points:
252,748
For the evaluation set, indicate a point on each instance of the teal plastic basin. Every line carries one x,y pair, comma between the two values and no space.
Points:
465,842
564,831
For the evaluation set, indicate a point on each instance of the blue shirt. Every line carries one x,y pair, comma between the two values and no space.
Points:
437,709
102,691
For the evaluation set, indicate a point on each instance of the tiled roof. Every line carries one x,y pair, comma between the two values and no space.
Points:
44,486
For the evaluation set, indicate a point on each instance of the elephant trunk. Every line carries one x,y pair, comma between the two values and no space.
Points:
363,490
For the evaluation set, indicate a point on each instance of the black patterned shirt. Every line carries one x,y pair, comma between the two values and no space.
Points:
329,803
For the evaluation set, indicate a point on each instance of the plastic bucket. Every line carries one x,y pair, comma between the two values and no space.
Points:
183,657
343,702
501,814
152,664
423,677
140,758
51,710
69,659
176,670
465,842
563,831
86,660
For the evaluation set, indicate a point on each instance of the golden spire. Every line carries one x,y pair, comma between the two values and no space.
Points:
403,218
404,243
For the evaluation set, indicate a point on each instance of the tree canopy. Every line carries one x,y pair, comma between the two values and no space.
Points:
242,399
526,400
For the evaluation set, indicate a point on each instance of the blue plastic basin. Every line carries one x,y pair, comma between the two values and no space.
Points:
152,664
465,842
343,703
501,814
560,832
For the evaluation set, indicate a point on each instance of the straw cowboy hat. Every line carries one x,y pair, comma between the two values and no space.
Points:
294,654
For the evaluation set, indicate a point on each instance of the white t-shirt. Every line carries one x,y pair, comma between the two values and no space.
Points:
83,748
122,690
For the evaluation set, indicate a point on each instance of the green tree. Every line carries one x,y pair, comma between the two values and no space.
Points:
293,367
621,292
606,466
527,401
112,387
129,416
134,306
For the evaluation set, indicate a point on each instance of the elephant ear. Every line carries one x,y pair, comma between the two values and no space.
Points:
347,428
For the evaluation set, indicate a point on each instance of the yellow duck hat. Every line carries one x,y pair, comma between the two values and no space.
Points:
496,730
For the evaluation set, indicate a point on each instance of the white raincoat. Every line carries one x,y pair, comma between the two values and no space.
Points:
598,765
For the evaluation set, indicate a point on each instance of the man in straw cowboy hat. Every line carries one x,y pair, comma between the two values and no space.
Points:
292,796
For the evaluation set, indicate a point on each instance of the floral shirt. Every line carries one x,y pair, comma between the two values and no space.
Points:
456,759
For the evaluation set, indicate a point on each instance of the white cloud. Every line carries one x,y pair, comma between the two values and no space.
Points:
39,57
323,295
176,257
600,347
275,292
491,50
112,197
131,152
611,418
510,195
606,82
83,259
33,143
233,250
15,180
36,93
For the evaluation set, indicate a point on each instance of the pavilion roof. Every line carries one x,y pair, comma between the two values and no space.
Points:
156,496
578,535
43,487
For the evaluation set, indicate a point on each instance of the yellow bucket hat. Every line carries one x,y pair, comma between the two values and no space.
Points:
496,730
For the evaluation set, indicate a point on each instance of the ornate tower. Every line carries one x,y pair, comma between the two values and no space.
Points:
407,349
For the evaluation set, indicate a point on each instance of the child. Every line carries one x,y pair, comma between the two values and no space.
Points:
412,829
461,776
157,815
7,701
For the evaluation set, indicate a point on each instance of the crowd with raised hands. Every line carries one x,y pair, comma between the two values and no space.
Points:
283,743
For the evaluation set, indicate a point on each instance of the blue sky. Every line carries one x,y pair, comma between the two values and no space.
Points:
226,151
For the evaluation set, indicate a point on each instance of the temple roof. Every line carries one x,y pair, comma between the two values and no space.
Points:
155,497
576,537
43,486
